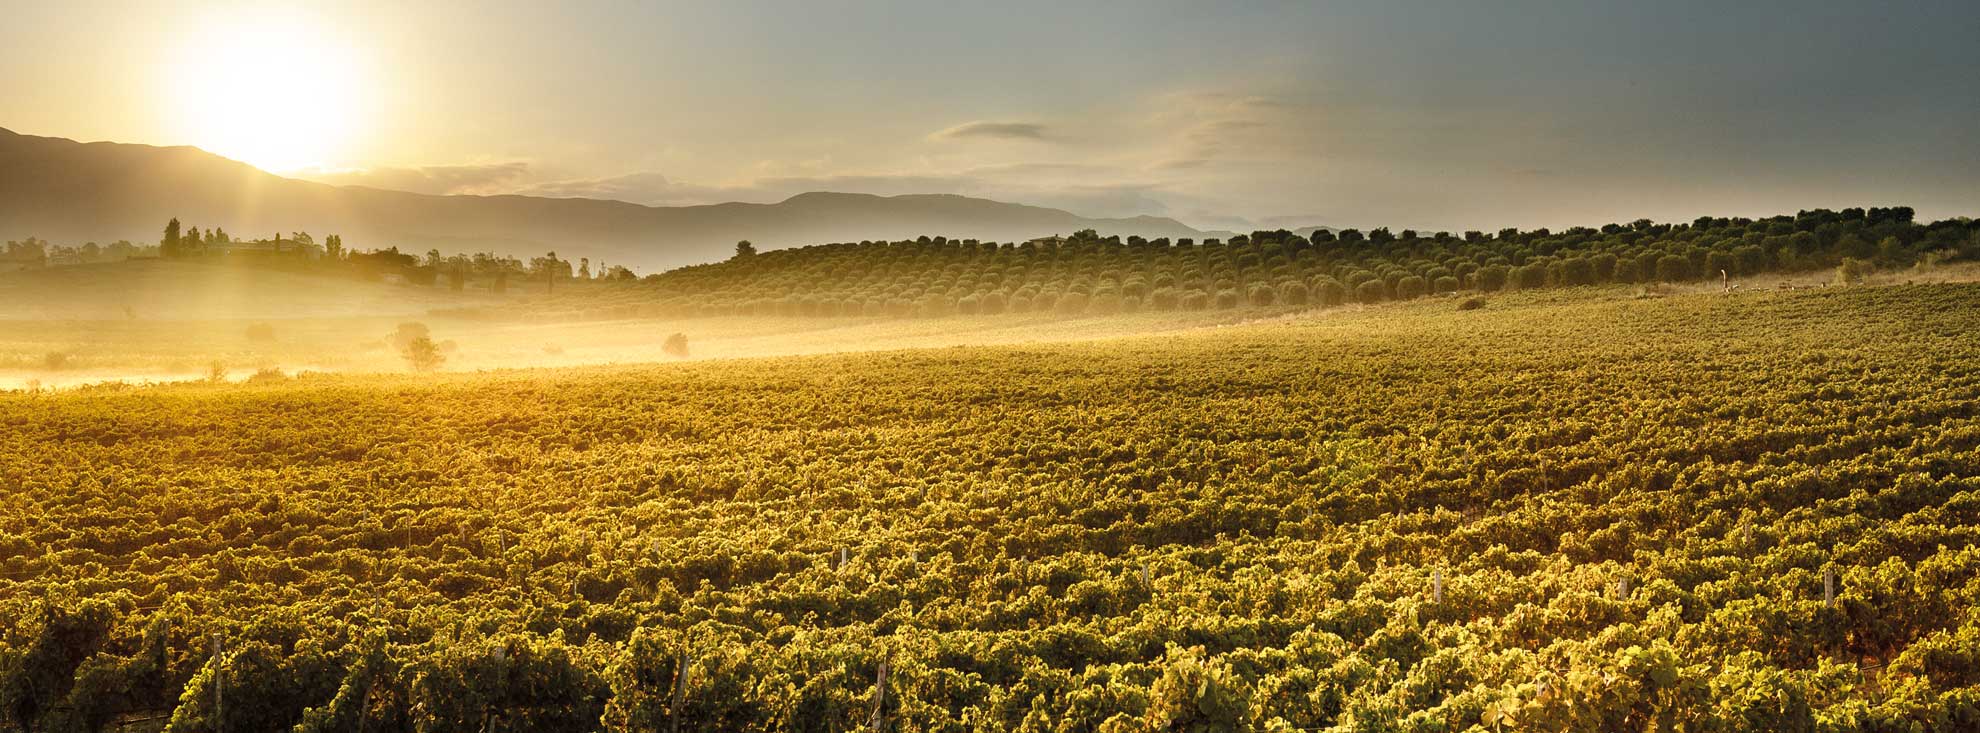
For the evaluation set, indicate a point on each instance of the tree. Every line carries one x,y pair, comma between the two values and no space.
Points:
745,250
422,354
169,246
676,346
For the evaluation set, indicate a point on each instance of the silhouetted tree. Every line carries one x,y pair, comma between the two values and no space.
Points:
169,246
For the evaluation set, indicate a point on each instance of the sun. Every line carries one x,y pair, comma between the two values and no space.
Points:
279,92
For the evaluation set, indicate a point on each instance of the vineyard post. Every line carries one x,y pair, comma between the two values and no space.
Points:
880,691
219,684
680,693
1437,585
500,655
842,559
1829,587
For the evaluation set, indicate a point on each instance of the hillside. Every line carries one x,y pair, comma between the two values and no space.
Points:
1703,512
70,192
930,277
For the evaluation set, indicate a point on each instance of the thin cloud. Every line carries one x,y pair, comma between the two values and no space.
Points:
993,131
439,180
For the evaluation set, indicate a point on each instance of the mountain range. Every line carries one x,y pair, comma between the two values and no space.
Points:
71,192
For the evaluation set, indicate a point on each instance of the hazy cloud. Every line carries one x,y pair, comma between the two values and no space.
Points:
473,178
649,188
993,130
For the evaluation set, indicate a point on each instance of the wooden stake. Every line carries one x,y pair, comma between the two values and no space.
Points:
680,693
1437,585
1829,587
219,685
879,694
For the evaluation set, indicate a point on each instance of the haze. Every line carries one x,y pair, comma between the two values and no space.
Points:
1425,115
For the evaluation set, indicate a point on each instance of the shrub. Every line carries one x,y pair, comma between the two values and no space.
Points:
1672,268
1852,271
1293,293
1195,300
1577,271
267,375
676,346
1471,304
1411,287
1165,299
1528,277
1331,292
1717,262
1603,266
1446,284
1492,277
1261,295
1228,299
1073,303
1369,292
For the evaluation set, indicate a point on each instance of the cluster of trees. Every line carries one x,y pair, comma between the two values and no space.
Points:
1676,515
1093,274
32,253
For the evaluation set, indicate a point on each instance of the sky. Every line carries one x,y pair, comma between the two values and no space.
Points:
1428,115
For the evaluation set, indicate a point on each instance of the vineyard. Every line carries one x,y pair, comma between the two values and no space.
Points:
1577,510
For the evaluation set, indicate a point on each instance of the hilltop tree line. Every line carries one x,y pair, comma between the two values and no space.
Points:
300,251
1088,273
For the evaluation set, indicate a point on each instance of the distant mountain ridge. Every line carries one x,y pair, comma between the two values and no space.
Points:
71,192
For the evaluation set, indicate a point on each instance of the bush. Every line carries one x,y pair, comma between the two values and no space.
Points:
1672,268
1471,304
1261,295
1852,271
1331,292
267,375
1411,287
1528,277
1717,262
1165,299
1492,277
1228,299
1195,300
1369,292
1073,303
55,360
1445,284
676,346
1293,293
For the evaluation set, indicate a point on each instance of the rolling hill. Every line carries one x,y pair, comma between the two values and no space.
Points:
70,192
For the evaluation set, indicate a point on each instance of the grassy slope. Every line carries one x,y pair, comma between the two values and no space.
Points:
1287,485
